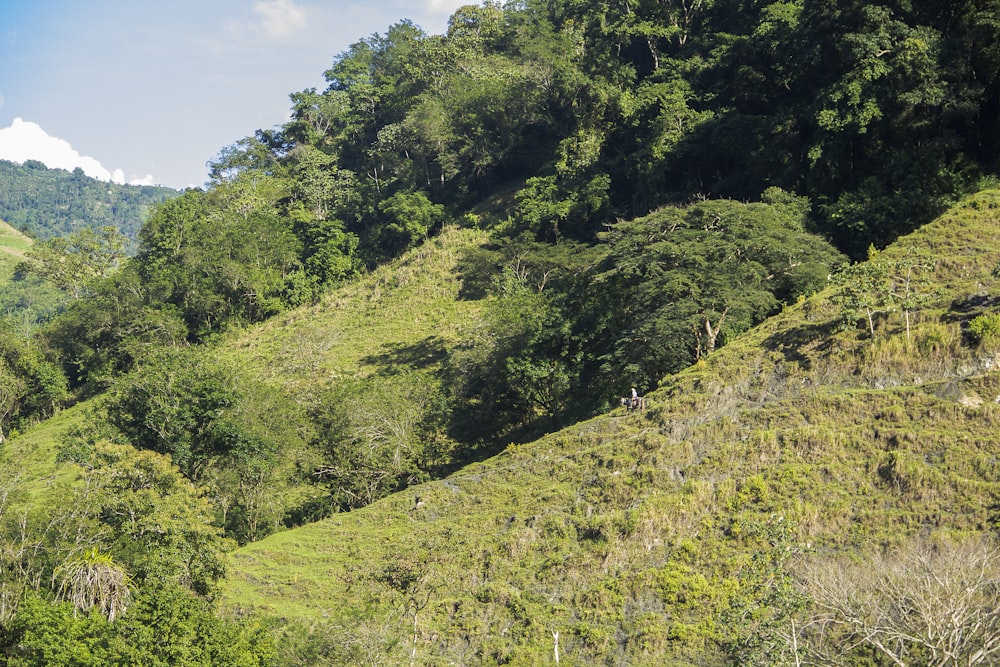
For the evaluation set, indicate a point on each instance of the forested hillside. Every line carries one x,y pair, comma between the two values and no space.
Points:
445,269
47,202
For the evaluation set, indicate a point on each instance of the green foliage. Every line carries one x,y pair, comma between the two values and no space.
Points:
378,437
154,522
864,291
985,329
658,538
680,282
632,538
165,626
43,633
880,286
220,258
766,598
409,218
49,203
518,366
592,115
72,262
173,405
31,387
25,301
186,405
104,334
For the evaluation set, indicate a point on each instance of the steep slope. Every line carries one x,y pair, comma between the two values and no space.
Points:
387,331
646,538
12,246
393,319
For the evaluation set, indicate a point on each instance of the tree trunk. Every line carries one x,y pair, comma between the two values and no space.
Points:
712,333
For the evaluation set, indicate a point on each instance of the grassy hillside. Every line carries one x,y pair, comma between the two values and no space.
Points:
384,334
638,538
399,317
12,246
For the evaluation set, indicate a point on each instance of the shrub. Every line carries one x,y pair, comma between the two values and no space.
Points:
985,329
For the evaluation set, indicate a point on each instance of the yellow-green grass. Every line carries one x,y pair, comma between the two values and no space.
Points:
12,247
28,460
391,319
858,443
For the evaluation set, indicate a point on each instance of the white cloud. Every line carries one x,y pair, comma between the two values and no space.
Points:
24,140
280,18
145,180
274,20
447,6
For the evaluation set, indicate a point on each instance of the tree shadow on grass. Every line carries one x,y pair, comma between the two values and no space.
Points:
963,311
398,358
799,344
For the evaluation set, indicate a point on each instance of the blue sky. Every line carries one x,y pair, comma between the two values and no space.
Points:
156,88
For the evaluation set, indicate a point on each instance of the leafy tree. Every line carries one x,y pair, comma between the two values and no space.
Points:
571,200
74,261
151,521
220,257
174,405
881,286
521,367
28,302
183,404
165,626
106,333
683,280
12,392
31,387
766,602
409,219
378,440
911,283
43,633
506,367
168,626
864,291
413,583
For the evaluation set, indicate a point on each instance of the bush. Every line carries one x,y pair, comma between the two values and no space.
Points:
985,329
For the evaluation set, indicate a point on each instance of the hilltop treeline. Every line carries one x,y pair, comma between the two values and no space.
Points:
46,203
878,112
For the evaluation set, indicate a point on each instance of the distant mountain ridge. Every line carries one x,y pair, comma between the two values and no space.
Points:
45,203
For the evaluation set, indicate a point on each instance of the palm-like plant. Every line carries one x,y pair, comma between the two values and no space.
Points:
94,580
